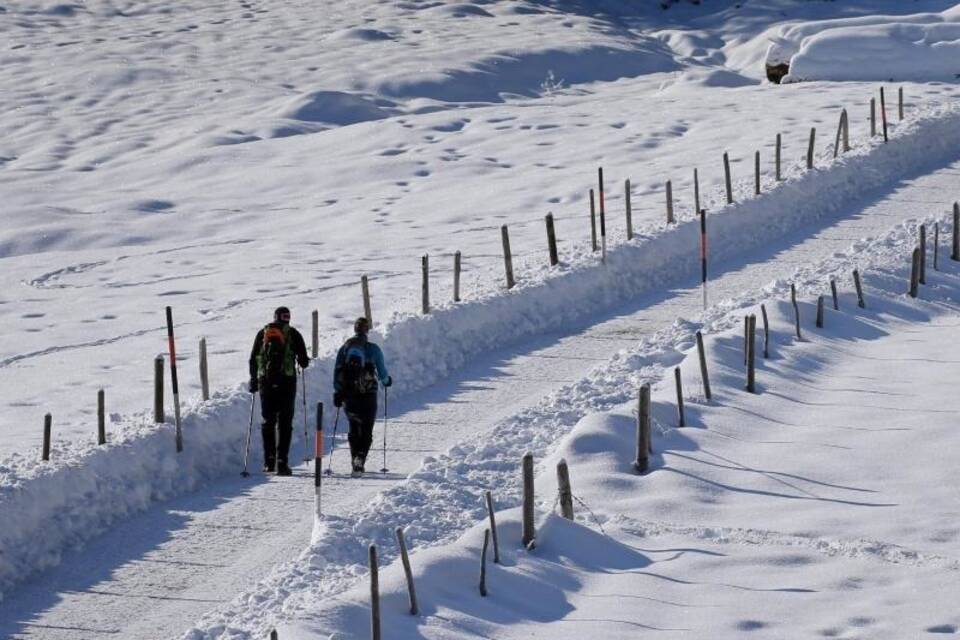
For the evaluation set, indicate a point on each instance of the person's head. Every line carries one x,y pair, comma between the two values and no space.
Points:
281,315
361,326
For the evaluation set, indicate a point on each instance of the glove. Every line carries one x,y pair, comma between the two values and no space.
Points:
254,385
388,382
337,399
304,363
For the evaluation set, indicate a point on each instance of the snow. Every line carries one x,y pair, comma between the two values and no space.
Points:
188,154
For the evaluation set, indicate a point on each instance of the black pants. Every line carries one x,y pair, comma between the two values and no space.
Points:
276,406
362,414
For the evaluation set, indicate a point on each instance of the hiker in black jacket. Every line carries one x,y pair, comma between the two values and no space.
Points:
277,349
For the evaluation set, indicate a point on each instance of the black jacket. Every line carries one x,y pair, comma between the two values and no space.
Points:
296,343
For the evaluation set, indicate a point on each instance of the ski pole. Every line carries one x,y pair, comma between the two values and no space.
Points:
386,395
246,450
306,436
333,445
318,459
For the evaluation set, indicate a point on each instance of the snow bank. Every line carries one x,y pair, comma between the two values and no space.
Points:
920,47
79,493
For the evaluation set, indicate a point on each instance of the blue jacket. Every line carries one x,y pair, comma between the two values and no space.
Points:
372,353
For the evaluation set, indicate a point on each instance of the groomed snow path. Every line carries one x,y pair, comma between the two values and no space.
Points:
152,575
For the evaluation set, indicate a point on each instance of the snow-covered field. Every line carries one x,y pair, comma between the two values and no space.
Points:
224,158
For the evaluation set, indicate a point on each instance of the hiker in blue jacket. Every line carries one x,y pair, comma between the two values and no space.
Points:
359,368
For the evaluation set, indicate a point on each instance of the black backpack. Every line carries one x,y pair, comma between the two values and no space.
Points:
357,376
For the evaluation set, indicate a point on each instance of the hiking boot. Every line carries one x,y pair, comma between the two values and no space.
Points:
283,469
357,467
269,466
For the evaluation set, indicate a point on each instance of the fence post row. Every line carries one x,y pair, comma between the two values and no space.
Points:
819,312
425,284
101,418
751,353
726,173
936,246
627,195
923,254
405,559
483,563
883,114
766,331
47,434
315,334
900,102
679,381
529,531
507,257
856,283
756,173
374,594
873,117
955,252
642,463
670,219
915,273
367,307
158,414
456,276
552,241
696,191
493,527
703,366
810,146
564,491
796,308
204,371
779,147
833,291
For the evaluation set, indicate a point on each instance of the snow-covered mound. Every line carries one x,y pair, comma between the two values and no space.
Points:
917,47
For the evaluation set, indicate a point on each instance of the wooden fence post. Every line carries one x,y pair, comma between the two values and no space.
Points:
746,336
936,246
955,253
405,559
507,257
915,273
101,418
273,635
696,191
425,284
593,222
374,594
627,195
779,147
756,173
642,463
726,173
315,334
883,114
456,276
703,366
565,492
676,375
900,102
367,307
158,414
493,527
810,146
47,434
833,291
204,371
873,117
670,219
923,254
819,312
796,309
751,354
552,241
856,283
529,530
843,133
483,563
766,331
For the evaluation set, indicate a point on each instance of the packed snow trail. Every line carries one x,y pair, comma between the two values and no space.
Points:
150,576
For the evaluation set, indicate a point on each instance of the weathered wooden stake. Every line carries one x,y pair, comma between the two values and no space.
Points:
810,146
565,492
593,222
528,535
820,312
405,559
47,432
457,266
746,337
315,334
843,133
670,219
900,102
756,173
726,173
777,162
676,376
204,371
483,563
101,418
493,528
552,241
796,308
507,257
627,196
955,252
915,273
923,254
936,246
703,366
374,594
158,414
367,307
873,117
273,635
751,354
696,191
883,114
859,287
425,284
766,331
642,463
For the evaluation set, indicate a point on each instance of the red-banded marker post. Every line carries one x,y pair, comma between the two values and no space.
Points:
703,254
318,459
171,344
